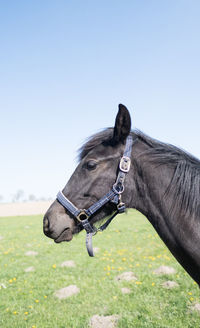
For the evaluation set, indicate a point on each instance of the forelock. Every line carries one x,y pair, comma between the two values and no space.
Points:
103,137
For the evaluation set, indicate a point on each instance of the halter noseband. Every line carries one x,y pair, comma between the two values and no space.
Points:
114,196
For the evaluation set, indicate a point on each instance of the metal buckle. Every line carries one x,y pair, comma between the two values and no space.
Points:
125,164
82,216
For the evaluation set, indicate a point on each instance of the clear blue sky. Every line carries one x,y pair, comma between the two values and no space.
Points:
65,66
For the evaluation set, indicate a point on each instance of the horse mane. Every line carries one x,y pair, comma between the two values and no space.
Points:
185,183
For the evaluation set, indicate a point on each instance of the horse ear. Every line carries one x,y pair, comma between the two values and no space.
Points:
122,124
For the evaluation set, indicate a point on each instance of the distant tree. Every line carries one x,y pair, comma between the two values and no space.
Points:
31,197
18,195
42,199
1,198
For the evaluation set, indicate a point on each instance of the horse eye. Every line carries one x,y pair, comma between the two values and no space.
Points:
91,165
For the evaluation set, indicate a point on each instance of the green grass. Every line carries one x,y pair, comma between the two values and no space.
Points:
129,244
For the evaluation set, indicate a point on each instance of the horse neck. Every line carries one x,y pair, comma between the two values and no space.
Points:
181,233
150,182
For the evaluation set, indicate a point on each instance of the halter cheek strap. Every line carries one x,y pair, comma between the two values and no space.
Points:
114,196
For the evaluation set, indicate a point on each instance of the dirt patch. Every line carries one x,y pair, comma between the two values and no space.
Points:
67,292
169,284
164,270
69,264
31,253
125,290
29,269
128,276
96,249
196,307
98,321
26,208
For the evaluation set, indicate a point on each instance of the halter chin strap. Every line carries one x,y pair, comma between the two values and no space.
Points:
114,196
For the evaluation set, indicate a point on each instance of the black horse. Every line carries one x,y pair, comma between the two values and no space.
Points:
163,183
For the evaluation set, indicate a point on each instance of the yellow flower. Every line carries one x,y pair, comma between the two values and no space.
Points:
191,299
26,313
114,297
124,259
189,293
153,284
10,281
45,296
14,279
54,266
30,306
138,282
15,312
36,301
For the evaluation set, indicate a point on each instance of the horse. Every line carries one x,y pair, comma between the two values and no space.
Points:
159,180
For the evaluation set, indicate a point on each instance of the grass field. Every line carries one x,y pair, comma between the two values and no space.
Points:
129,244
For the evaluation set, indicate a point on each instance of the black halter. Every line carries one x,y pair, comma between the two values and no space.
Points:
114,196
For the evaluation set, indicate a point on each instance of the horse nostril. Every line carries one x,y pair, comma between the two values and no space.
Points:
46,224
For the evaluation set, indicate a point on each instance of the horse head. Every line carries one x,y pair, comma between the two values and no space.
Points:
92,179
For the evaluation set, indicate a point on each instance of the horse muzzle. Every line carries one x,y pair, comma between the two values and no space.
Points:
57,224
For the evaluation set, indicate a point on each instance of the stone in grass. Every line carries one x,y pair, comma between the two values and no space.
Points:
99,321
67,292
125,290
169,284
29,269
128,276
31,253
69,264
196,307
1,237
164,270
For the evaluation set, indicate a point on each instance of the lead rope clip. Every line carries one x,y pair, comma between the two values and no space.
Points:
121,206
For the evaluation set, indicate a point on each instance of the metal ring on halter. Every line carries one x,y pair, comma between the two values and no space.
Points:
116,190
82,216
